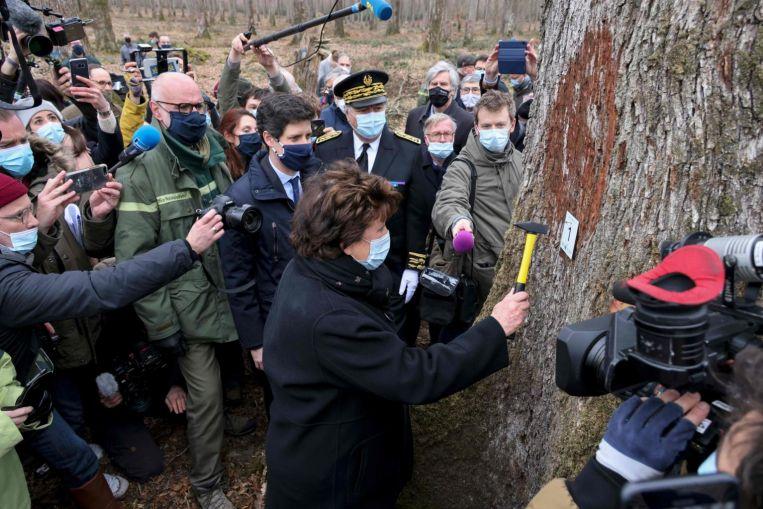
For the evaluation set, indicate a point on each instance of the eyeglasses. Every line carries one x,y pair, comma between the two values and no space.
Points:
21,216
185,108
440,136
104,83
470,90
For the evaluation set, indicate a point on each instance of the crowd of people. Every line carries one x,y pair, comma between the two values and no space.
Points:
134,303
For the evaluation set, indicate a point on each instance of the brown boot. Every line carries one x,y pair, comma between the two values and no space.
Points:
95,494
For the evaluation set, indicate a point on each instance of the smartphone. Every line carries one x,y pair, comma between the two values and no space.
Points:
79,67
717,491
89,179
511,57
318,127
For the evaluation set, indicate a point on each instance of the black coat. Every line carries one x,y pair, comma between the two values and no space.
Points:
29,299
261,257
464,123
395,161
339,433
422,193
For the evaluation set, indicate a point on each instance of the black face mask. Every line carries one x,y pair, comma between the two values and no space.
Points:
438,97
249,144
329,97
166,46
189,129
128,40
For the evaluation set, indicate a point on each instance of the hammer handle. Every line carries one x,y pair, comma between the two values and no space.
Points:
527,257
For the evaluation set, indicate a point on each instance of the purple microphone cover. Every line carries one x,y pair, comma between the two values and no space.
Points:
463,241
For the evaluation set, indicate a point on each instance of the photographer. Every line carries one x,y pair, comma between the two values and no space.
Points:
28,299
274,183
229,89
163,189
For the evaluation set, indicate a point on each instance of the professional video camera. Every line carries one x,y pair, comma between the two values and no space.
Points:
134,374
151,67
40,42
246,218
683,332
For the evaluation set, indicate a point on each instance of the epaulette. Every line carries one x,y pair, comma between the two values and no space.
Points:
401,134
328,136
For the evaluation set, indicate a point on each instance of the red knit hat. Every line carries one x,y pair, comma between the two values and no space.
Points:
10,189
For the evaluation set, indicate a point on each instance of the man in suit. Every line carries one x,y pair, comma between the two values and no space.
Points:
389,154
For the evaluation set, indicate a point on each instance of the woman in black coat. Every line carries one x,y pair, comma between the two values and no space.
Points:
339,434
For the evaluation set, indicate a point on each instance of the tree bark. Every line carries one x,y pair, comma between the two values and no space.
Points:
103,39
646,127
393,25
434,35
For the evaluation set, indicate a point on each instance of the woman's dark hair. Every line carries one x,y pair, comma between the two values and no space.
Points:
236,163
79,143
747,399
336,209
50,93
256,93
277,111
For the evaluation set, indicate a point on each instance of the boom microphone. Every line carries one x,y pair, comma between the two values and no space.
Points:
380,8
24,18
144,139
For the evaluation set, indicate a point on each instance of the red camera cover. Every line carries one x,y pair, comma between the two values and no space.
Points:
699,263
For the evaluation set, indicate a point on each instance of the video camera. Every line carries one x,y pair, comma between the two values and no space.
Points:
134,374
245,218
58,33
685,347
151,67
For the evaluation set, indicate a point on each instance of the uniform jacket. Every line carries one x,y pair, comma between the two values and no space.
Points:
339,433
77,337
334,118
398,155
425,182
28,299
498,180
414,125
159,203
13,489
263,256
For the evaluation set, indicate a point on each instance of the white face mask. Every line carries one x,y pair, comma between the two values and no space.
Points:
340,104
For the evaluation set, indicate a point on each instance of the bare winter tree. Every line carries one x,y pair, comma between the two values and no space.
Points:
98,10
645,126
433,40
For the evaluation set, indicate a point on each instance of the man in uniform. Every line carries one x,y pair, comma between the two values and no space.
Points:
163,188
389,154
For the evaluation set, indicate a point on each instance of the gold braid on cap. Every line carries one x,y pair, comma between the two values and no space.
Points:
364,92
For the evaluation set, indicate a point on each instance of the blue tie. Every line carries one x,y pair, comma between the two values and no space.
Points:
295,188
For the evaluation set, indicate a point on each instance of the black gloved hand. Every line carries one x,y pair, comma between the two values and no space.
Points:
172,346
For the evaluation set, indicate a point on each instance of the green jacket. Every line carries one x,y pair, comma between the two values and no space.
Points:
13,490
63,252
159,203
498,180
227,90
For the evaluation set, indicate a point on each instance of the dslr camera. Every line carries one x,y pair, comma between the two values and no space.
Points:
245,218
681,346
134,374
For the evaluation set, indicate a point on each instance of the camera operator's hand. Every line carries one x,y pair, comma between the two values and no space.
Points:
491,69
267,59
462,225
90,94
19,415
106,199
134,79
112,401
63,80
52,201
173,346
205,231
645,436
176,399
531,61
237,48
512,311
257,358
11,62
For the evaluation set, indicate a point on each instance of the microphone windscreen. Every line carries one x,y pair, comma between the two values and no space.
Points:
381,9
24,18
146,137
463,242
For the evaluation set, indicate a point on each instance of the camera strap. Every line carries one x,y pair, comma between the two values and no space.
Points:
25,72
229,291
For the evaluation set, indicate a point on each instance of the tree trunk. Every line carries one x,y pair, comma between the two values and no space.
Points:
646,127
393,25
103,39
300,13
434,35
339,28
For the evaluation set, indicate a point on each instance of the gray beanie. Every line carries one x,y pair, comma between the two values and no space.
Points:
26,115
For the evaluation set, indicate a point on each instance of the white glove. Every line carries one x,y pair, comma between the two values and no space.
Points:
408,284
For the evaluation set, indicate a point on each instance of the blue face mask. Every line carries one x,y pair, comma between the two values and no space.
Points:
18,160
23,242
52,131
249,144
296,157
253,111
188,129
494,140
480,72
710,465
519,83
370,125
440,150
378,252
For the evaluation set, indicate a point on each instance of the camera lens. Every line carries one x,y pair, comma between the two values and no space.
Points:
39,45
250,219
